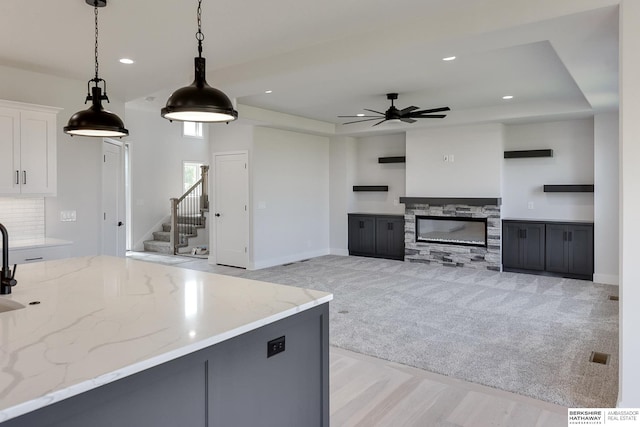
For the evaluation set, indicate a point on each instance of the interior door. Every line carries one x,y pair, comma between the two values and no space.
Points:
230,210
113,200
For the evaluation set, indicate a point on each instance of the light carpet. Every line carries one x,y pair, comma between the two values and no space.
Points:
532,335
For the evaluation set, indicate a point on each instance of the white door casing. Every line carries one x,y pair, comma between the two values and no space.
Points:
230,210
113,199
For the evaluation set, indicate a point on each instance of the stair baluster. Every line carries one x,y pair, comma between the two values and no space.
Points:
188,210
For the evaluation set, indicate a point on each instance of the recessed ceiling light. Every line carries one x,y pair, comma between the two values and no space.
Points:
507,97
126,61
360,115
449,58
268,91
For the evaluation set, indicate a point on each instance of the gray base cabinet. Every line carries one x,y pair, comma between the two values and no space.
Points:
232,383
380,236
362,235
570,249
524,245
548,247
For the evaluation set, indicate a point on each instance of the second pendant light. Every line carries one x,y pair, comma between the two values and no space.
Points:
199,102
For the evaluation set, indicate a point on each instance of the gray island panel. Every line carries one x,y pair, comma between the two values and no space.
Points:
232,383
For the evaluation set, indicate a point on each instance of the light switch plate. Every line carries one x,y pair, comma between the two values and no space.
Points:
68,216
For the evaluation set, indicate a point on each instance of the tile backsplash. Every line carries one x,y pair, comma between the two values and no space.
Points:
23,217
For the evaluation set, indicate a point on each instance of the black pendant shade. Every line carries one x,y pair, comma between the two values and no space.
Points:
199,102
95,120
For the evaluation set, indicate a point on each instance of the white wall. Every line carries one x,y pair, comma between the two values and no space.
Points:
341,177
157,152
369,172
475,172
629,395
232,137
572,163
606,200
79,158
290,200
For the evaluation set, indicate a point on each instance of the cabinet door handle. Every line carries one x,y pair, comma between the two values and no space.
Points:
564,235
34,259
390,226
524,233
24,177
17,177
361,224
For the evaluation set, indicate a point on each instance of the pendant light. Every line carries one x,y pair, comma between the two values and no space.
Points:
96,121
199,102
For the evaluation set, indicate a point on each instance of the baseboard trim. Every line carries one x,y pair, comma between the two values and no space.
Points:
287,259
341,252
606,279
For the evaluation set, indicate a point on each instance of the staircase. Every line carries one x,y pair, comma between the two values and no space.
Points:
188,217
191,231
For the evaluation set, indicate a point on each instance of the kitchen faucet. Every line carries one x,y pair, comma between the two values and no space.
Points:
7,277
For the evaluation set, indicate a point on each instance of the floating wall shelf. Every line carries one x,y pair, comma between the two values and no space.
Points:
370,188
522,154
582,188
396,159
442,201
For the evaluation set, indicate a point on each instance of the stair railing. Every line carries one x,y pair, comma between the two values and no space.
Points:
188,209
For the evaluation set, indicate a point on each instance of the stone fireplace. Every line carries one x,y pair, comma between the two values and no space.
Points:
456,232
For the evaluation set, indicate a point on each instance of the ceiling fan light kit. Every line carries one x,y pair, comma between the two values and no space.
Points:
393,115
199,102
96,121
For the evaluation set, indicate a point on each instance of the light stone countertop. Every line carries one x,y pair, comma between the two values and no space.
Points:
36,243
103,318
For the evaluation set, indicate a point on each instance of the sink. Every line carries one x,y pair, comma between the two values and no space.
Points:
9,305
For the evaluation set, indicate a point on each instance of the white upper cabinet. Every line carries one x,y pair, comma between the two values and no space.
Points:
27,149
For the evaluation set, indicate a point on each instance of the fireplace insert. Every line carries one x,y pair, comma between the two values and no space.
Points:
452,230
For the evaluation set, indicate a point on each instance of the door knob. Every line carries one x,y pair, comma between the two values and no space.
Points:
217,214
120,224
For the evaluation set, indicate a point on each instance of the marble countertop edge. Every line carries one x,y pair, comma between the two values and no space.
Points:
134,368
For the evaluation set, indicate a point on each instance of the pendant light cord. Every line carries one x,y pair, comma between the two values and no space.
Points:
199,34
95,8
96,80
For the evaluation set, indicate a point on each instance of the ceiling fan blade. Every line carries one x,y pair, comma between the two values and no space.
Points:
430,116
433,110
358,121
407,120
383,120
374,111
360,116
408,110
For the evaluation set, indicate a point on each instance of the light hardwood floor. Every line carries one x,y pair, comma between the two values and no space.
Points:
370,392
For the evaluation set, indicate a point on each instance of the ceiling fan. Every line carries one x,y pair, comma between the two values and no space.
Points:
407,115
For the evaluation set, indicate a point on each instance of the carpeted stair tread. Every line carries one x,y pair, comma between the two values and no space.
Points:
158,246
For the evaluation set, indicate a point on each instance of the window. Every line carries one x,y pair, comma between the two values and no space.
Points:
192,129
191,173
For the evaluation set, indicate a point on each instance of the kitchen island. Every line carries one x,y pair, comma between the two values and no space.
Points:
106,341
